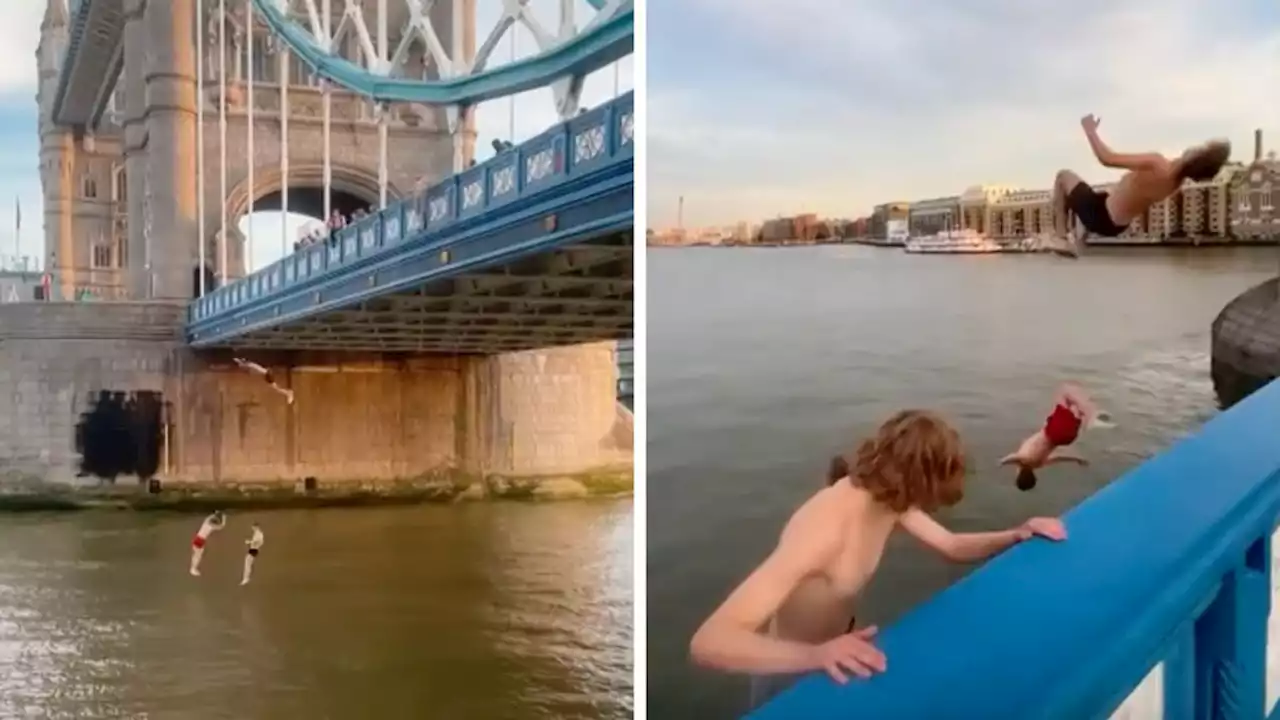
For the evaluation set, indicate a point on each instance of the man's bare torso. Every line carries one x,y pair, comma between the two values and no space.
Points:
822,606
1138,190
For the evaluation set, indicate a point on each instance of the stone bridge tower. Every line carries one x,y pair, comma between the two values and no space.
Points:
120,190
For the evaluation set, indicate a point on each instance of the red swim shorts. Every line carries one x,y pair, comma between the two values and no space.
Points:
1062,426
198,542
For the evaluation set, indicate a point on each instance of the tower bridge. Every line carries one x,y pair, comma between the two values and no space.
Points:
163,124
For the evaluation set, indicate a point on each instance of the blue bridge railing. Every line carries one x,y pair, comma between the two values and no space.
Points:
594,144
1164,582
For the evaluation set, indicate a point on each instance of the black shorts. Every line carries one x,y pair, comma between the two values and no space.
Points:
253,552
1091,207
271,379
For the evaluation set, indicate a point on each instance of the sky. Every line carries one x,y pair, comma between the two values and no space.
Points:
758,108
534,112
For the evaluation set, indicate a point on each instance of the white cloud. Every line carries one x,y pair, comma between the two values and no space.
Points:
19,36
907,98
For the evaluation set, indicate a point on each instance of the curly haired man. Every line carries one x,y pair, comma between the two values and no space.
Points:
794,613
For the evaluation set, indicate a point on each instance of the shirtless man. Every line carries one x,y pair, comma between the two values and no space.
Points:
254,367
1151,178
1072,412
211,525
254,543
794,613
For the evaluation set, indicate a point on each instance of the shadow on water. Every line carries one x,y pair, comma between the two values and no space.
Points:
121,434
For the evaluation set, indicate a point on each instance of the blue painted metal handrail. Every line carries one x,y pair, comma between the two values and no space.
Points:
607,42
1170,564
593,144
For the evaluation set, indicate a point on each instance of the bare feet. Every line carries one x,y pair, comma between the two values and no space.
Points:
195,572
1078,236
1059,246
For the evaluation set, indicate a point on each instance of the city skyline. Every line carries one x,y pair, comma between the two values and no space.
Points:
945,114
1242,158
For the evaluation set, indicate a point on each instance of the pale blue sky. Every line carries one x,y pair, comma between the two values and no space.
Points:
759,108
19,170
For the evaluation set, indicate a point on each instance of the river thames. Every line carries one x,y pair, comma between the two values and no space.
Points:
487,610
762,363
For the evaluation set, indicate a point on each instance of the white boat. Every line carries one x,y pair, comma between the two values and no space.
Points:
954,241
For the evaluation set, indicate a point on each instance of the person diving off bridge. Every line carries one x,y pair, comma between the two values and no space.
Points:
1073,412
1151,177
254,367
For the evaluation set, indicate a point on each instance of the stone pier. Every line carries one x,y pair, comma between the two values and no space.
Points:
358,422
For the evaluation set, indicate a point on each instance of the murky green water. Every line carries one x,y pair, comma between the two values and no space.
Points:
480,611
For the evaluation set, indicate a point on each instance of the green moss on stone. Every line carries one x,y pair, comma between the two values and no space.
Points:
609,483
436,487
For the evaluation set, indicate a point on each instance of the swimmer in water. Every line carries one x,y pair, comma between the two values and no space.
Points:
1072,412
254,367
794,613
254,542
211,525
1151,177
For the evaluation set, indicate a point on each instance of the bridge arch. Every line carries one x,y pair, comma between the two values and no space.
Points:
351,188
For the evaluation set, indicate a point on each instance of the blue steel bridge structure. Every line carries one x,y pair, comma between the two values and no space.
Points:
529,249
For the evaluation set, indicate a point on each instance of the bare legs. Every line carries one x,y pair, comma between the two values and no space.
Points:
196,554
286,392
1072,394
257,369
248,569
1063,184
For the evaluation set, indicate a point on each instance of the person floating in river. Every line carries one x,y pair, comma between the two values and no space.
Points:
1072,413
794,613
254,543
254,367
212,524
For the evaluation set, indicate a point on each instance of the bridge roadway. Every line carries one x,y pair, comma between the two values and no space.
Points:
532,248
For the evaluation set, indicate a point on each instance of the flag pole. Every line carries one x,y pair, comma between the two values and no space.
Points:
17,229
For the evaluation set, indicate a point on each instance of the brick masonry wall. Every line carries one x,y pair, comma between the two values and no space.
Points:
55,357
363,419
353,419
545,412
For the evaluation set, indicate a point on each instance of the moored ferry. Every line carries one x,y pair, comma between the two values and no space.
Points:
954,241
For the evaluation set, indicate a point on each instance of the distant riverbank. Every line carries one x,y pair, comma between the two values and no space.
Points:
1106,242
776,243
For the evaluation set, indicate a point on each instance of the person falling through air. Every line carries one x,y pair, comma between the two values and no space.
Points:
254,367
1072,412
1151,177
254,542
211,525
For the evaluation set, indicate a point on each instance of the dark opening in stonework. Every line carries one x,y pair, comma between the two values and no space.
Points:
121,434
